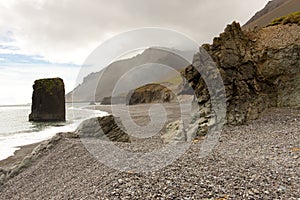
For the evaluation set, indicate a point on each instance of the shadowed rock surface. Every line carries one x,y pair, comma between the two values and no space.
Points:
48,100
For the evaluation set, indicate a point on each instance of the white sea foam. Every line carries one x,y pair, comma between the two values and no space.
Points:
10,142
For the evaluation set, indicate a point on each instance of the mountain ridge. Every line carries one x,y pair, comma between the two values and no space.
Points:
273,10
271,5
98,85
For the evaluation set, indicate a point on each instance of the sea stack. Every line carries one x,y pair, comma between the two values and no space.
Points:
48,100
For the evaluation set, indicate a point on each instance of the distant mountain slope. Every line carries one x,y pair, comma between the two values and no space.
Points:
274,9
92,89
271,5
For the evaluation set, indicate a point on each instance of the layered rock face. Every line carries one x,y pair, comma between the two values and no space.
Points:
107,128
150,93
260,69
48,100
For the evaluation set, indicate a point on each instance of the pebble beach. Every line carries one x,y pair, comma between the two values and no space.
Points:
259,160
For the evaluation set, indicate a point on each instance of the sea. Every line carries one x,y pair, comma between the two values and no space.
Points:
17,131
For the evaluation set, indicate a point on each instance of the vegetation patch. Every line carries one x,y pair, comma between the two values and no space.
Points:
48,84
293,18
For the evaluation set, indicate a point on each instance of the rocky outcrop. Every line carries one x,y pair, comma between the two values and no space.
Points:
48,100
107,128
257,73
150,93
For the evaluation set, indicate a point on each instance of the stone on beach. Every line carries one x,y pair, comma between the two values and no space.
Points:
105,128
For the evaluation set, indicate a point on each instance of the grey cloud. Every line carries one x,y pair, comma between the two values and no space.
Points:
68,30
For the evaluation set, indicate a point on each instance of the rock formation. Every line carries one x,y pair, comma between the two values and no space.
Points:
48,100
150,93
104,128
259,70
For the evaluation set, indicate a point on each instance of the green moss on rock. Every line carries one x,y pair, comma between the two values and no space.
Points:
49,84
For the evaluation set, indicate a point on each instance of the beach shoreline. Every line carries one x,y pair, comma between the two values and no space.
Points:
26,150
20,151
18,156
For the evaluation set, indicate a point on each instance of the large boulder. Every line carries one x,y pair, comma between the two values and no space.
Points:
48,100
107,128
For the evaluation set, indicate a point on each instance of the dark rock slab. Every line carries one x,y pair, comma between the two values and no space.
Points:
105,128
48,100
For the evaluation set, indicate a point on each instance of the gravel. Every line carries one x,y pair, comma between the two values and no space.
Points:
260,160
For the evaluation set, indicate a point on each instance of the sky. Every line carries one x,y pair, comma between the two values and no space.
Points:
42,38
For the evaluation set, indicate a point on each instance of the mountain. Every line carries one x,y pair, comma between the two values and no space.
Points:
101,84
273,10
271,5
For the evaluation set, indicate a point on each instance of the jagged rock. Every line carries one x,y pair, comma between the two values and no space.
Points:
150,93
257,73
48,100
104,128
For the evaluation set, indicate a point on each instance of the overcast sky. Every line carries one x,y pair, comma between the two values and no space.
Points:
54,37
